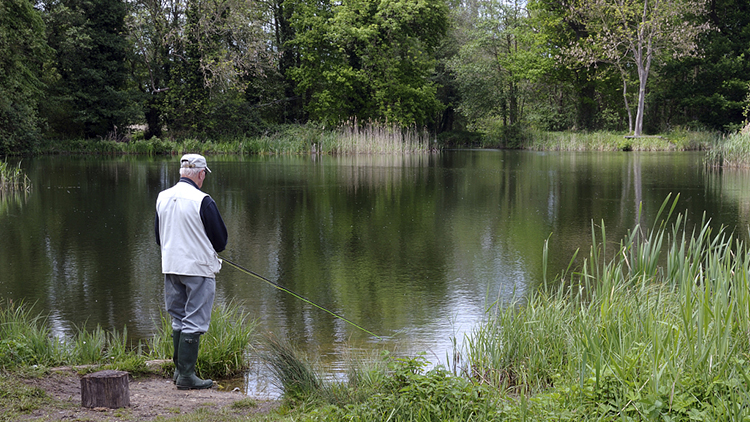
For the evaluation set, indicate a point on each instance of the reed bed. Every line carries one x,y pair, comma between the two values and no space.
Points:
654,328
379,138
676,140
731,152
13,179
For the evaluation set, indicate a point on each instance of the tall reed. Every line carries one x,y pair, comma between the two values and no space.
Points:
656,326
13,179
379,138
351,138
731,152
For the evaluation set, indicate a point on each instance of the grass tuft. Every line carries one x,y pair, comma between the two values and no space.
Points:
17,399
292,371
223,349
25,339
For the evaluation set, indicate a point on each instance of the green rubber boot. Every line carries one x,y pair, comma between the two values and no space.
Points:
176,348
188,355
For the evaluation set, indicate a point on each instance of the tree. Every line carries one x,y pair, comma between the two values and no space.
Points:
368,59
194,58
91,98
635,34
24,71
498,62
577,85
288,57
709,91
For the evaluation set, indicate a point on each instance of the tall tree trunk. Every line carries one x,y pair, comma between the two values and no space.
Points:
625,97
641,102
644,67
643,64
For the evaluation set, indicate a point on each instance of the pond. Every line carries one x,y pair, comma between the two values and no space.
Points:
412,248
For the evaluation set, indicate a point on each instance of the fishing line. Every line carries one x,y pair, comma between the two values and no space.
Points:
284,289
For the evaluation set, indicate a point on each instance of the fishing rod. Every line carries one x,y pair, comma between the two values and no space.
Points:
284,289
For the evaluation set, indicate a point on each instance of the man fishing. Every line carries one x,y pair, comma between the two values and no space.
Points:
191,233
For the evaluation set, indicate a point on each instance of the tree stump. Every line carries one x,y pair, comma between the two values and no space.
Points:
105,389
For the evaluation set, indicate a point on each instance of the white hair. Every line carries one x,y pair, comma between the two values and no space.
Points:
190,171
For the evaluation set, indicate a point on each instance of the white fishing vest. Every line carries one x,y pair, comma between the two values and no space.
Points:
185,247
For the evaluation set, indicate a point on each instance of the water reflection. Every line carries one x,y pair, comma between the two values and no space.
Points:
412,248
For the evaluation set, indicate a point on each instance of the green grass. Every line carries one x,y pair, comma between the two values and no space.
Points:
25,341
389,388
352,138
293,372
17,398
25,338
224,348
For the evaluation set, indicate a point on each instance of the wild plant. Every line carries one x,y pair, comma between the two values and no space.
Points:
88,346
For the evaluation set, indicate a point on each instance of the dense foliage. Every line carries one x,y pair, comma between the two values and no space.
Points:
90,98
98,69
23,54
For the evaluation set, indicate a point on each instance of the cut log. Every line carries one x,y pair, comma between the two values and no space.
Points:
105,389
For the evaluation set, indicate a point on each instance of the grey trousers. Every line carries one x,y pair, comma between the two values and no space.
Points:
189,301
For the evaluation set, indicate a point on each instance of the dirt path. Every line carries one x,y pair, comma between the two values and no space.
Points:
150,397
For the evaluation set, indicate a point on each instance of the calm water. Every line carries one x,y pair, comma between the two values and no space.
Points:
411,248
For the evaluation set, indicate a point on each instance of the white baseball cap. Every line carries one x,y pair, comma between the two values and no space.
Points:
194,161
